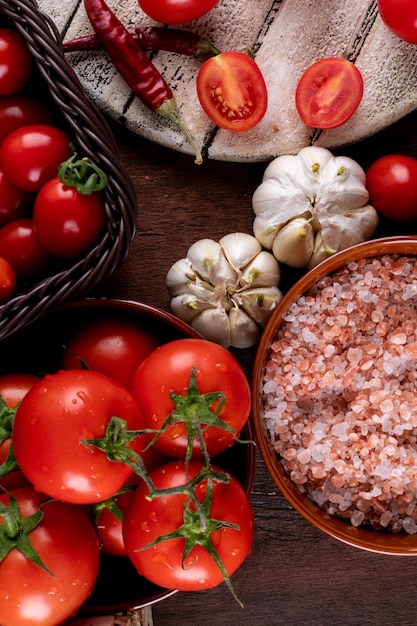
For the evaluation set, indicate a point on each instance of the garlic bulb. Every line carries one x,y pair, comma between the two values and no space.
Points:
226,290
311,205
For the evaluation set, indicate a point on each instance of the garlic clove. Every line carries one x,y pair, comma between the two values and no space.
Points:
244,332
264,231
179,275
263,270
187,307
321,252
207,259
341,230
213,324
294,243
239,249
259,303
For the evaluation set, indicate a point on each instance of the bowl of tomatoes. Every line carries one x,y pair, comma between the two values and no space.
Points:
97,355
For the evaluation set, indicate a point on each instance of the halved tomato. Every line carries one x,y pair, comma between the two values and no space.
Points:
232,91
328,93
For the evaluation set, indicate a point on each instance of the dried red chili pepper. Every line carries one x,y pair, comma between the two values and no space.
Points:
134,66
154,38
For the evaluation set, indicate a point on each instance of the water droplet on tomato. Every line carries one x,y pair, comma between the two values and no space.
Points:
161,558
144,526
52,591
222,367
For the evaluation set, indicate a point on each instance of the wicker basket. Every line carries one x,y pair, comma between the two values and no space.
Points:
93,138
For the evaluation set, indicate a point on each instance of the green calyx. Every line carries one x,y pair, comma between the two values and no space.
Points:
85,176
15,530
198,526
6,424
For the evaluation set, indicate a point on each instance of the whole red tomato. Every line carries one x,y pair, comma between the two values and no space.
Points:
7,281
113,346
13,388
15,62
20,246
232,91
165,563
392,185
67,223
53,429
19,110
66,543
400,16
14,202
31,155
213,394
176,11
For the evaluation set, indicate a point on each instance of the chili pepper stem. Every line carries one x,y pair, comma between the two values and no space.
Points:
169,110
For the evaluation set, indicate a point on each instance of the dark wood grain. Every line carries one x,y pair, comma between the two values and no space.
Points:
295,574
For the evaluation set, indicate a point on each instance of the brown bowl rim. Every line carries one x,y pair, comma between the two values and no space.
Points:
367,539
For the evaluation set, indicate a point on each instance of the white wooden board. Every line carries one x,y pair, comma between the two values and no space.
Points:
286,37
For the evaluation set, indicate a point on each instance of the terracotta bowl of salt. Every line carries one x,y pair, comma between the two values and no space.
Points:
334,396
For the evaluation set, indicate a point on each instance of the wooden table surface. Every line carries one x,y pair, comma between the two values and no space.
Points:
295,575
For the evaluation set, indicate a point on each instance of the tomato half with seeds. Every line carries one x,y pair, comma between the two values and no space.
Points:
57,425
232,91
176,11
328,93
165,563
66,544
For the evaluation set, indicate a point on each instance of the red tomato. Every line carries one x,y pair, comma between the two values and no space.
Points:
232,91
13,388
168,369
14,202
392,185
31,155
51,422
67,223
176,11
20,246
7,281
115,347
66,542
109,524
400,16
146,520
15,62
21,110
328,93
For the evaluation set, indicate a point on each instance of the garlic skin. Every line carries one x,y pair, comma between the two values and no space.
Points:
226,290
317,188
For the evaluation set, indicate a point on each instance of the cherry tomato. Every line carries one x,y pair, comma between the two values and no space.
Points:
66,542
20,246
114,347
328,93
21,110
31,155
109,524
7,281
13,388
14,202
15,62
146,520
232,91
392,185
168,369
176,11
67,223
53,419
400,16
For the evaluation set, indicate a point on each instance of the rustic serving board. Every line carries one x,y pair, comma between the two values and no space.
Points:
286,36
